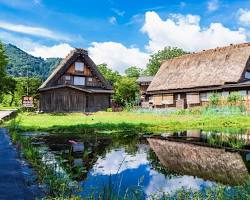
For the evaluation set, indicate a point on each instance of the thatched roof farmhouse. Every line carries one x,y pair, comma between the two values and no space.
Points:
75,85
190,79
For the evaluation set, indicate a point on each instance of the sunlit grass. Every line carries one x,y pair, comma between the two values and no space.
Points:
118,121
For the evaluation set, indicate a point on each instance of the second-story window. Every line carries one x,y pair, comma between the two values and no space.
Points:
79,66
78,80
67,78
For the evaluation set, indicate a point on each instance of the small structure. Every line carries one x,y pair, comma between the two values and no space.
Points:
144,82
189,80
75,85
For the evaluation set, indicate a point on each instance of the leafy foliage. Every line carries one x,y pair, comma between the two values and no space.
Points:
109,74
133,72
126,90
214,99
18,87
234,97
21,63
3,63
157,58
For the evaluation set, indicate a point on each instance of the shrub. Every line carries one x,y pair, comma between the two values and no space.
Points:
234,98
214,99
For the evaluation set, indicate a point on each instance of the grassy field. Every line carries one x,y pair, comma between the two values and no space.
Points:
128,121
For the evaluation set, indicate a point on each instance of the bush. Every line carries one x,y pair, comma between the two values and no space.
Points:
214,99
109,109
234,98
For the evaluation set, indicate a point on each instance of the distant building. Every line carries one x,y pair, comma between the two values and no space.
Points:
189,80
75,85
144,82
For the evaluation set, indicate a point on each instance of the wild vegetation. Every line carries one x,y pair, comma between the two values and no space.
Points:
21,64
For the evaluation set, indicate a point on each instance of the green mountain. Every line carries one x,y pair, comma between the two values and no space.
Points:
21,63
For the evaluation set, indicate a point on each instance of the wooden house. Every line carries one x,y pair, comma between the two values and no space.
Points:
75,85
189,80
144,82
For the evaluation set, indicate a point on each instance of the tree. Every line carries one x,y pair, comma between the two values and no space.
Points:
10,88
29,85
133,72
109,74
156,59
126,90
3,64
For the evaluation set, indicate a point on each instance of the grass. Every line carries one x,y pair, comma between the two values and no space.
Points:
113,122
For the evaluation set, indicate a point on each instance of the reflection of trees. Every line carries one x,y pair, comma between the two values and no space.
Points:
78,159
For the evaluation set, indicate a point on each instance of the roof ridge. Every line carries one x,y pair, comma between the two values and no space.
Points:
217,49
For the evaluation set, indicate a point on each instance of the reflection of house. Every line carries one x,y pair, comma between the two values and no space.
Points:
75,85
144,82
189,80
205,162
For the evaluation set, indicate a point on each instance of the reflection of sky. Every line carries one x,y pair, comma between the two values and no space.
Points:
134,171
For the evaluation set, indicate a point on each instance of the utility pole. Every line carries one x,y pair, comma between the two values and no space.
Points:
27,92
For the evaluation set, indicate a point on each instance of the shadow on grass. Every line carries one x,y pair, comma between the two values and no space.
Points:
105,128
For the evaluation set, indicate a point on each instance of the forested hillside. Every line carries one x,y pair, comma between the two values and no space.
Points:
20,62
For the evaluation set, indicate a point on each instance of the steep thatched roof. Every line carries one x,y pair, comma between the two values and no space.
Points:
70,59
214,67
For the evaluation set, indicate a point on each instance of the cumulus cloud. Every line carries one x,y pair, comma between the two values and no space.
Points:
32,30
35,48
213,5
117,161
244,16
117,56
159,184
187,33
58,50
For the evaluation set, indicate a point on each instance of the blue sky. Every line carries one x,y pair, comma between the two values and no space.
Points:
122,33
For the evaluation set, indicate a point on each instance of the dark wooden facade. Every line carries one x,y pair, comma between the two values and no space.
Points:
73,89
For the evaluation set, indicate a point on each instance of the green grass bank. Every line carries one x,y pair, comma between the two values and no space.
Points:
109,122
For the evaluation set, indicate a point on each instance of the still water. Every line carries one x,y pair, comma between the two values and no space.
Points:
152,165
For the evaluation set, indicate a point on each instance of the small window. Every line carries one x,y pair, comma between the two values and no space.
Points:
79,66
247,75
67,78
78,80
90,79
204,96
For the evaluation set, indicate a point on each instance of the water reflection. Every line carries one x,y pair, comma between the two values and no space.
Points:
152,165
205,162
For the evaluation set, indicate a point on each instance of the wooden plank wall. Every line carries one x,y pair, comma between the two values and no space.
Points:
70,100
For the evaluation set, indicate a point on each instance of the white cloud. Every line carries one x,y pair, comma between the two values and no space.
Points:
112,20
32,30
59,50
244,16
213,5
159,184
117,161
117,55
35,48
185,32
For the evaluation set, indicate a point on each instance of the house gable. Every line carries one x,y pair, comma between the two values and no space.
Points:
79,70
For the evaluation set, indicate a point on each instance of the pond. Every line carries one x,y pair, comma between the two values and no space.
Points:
149,165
